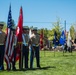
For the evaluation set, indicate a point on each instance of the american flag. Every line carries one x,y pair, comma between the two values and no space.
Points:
9,41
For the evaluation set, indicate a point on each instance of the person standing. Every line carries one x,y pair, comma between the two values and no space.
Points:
35,42
75,40
15,46
2,46
25,50
75,43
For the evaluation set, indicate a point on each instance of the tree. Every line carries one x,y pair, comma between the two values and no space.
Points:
72,32
57,27
46,32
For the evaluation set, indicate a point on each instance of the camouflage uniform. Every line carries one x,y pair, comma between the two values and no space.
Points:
35,40
2,40
14,45
25,50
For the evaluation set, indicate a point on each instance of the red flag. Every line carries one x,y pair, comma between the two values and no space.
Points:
19,27
19,31
41,39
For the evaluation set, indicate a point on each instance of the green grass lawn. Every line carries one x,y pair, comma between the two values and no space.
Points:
58,65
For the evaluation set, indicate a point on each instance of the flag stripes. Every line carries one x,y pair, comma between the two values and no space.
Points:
9,41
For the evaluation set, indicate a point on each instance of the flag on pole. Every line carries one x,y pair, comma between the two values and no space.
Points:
19,27
41,39
9,40
19,32
30,33
62,38
69,40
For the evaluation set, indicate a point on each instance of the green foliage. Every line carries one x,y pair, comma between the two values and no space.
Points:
58,28
46,32
72,32
50,33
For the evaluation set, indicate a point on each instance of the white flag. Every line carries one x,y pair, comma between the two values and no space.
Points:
69,40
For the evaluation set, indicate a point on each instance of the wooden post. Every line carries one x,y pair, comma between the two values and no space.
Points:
54,52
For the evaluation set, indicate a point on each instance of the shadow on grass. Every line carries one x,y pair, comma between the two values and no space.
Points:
67,55
33,69
30,69
42,68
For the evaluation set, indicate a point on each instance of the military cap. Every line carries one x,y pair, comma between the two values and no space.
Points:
13,28
25,27
1,24
34,29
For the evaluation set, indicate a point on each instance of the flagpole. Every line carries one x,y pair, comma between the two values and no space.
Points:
20,47
65,32
21,54
19,35
55,36
54,52
63,52
65,24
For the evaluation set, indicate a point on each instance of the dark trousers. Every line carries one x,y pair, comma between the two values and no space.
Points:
65,47
1,56
14,61
25,55
34,52
70,49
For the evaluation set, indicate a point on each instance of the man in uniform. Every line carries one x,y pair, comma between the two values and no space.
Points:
25,50
75,40
14,45
75,43
35,40
2,40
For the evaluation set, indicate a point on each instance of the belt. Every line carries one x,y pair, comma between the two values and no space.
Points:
14,44
26,44
35,45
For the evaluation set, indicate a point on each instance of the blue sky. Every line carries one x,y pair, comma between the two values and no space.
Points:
40,11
